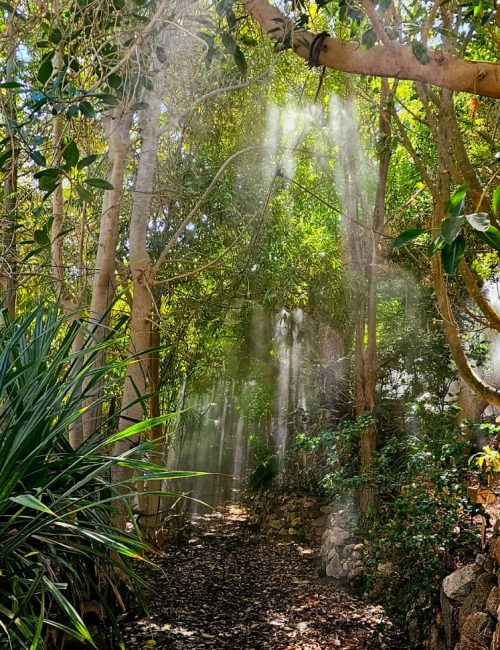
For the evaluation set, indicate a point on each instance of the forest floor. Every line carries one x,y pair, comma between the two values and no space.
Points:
228,587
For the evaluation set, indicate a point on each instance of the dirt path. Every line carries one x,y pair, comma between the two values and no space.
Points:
229,587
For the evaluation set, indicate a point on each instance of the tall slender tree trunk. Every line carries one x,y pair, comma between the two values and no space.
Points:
137,383
369,437
9,253
118,126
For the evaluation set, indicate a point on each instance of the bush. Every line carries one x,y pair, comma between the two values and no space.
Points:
58,546
423,523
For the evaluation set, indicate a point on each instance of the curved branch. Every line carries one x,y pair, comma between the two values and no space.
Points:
467,372
480,299
394,60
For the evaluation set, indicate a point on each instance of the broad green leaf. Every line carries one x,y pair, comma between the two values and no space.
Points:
100,183
45,71
450,228
88,160
83,193
479,221
41,237
86,109
420,52
39,158
455,203
55,35
407,236
491,237
368,39
496,201
452,254
229,43
11,84
29,501
241,62
71,154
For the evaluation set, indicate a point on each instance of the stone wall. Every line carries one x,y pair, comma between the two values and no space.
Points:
469,618
301,517
341,549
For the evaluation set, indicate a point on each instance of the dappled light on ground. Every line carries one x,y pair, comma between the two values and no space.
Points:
229,587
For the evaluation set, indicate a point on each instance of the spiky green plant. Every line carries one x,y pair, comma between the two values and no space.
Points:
58,546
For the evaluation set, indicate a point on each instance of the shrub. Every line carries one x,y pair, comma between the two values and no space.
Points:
58,546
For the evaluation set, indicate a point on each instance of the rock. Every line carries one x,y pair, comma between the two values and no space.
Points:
493,602
477,632
334,567
461,582
495,642
347,552
355,574
339,536
450,620
494,549
476,600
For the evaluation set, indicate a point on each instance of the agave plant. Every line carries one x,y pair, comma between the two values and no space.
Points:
58,547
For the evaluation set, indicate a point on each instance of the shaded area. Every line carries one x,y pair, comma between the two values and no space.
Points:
229,587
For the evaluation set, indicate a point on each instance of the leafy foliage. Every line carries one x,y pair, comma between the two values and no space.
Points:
59,545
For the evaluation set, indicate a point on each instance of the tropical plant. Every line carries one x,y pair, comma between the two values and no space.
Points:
58,546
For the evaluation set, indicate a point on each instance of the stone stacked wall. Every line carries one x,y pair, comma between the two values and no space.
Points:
470,606
342,550
288,515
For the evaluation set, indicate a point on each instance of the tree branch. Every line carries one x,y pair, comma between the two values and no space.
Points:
392,60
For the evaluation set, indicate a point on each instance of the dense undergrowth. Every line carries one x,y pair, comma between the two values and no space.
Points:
59,549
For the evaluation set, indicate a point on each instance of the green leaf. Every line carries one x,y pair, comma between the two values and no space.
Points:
45,71
86,109
407,236
239,59
139,106
450,228
88,160
496,201
455,204
100,183
368,39
420,52
47,183
491,237
83,193
41,237
11,84
68,609
37,157
479,221
114,80
29,501
71,154
452,254
106,98
229,43
55,35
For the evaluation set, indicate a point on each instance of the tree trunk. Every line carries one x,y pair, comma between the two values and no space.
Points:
103,287
9,253
369,437
134,405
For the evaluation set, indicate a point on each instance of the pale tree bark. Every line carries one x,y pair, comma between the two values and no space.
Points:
134,406
62,290
9,253
118,124
368,441
390,59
